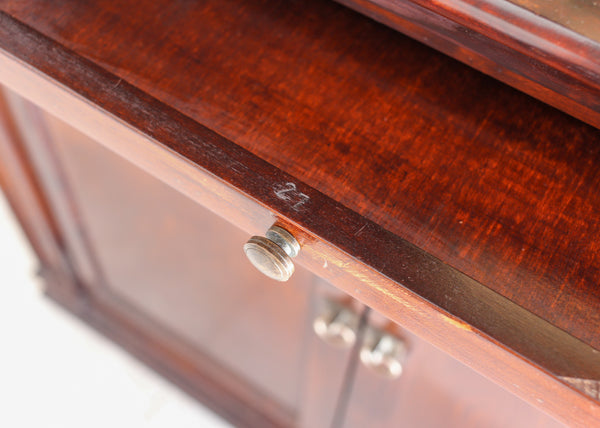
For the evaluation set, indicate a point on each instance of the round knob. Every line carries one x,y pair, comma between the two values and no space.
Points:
272,254
383,353
338,326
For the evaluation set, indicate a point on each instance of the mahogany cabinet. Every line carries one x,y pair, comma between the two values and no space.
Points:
173,270
447,224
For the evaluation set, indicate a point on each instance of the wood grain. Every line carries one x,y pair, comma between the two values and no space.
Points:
41,157
549,50
191,291
506,196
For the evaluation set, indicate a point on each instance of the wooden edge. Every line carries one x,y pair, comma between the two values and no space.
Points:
499,339
53,187
507,42
329,370
201,378
25,197
522,30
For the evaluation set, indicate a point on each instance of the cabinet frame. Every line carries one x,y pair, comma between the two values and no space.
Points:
499,339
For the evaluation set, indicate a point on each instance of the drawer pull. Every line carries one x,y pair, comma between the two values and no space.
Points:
337,326
383,353
272,254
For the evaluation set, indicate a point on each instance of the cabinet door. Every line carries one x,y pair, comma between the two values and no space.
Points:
177,273
433,391
337,323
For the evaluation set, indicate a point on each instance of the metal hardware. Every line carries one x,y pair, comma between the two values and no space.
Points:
383,353
337,326
272,254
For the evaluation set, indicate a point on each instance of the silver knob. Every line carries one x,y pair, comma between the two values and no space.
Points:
272,254
337,326
383,353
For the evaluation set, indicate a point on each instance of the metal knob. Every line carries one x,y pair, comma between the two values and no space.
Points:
272,254
383,353
337,326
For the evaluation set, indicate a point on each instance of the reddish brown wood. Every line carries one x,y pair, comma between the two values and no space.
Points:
22,189
407,156
157,346
434,391
161,254
447,148
549,50
329,370
39,151
501,374
478,352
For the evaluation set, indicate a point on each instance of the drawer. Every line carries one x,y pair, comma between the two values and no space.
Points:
169,280
408,183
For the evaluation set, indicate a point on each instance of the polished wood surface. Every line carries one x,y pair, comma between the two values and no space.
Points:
22,190
201,377
329,370
193,284
422,146
39,154
485,190
548,49
86,163
332,391
433,391
66,282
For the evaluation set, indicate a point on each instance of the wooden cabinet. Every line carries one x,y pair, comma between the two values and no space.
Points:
142,146
171,265
182,267
175,270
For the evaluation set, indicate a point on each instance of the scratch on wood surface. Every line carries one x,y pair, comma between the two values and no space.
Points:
360,230
460,324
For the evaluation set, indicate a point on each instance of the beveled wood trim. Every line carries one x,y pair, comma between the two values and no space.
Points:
521,352
53,187
22,190
512,44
